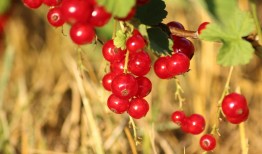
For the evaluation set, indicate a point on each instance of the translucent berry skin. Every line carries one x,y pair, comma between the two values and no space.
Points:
135,43
196,124
175,24
139,64
82,33
183,45
138,108
99,16
117,105
129,16
234,105
107,80
202,26
178,64
76,11
55,17
52,2
177,117
32,4
117,66
160,68
238,120
111,53
207,142
124,86
144,86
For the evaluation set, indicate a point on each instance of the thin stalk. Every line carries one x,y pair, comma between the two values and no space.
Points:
131,141
243,139
254,14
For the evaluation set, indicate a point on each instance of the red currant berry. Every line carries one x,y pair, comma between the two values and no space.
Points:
111,53
124,86
76,10
178,64
185,125
107,80
117,105
178,117
33,4
196,124
82,33
141,2
99,16
139,64
135,43
183,45
55,17
117,66
138,108
129,16
207,142
3,20
160,68
52,2
144,86
175,24
202,27
238,120
234,105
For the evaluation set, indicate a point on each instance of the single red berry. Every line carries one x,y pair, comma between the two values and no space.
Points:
178,117
76,11
202,27
129,16
82,33
55,17
175,24
138,108
3,20
52,2
207,142
160,68
117,105
107,80
135,43
144,86
117,66
32,4
124,86
142,2
136,32
111,53
99,16
178,64
139,63
238,120
234,105
196,124
183,45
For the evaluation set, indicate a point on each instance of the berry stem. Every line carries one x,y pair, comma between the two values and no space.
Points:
244,143
178,93
183,33
254,14
130,140
132,124
126,62
115,28
224,93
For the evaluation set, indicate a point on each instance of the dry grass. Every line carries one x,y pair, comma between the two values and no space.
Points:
49,107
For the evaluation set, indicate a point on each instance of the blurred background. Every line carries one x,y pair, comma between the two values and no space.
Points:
48,107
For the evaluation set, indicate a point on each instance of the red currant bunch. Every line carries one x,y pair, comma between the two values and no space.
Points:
234,107
194,124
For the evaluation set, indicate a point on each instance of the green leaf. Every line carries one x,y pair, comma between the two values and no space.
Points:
4,6
105,33
118,8
152,13
120,39
235,53
230,31
159,42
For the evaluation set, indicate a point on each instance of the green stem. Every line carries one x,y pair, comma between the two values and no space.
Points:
254,14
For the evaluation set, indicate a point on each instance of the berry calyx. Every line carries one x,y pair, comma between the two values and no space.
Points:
138,108
82,33
207,142
55,17
117,105
124,86
202,26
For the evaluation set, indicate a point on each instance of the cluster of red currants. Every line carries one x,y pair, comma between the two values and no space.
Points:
167,67
126,78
